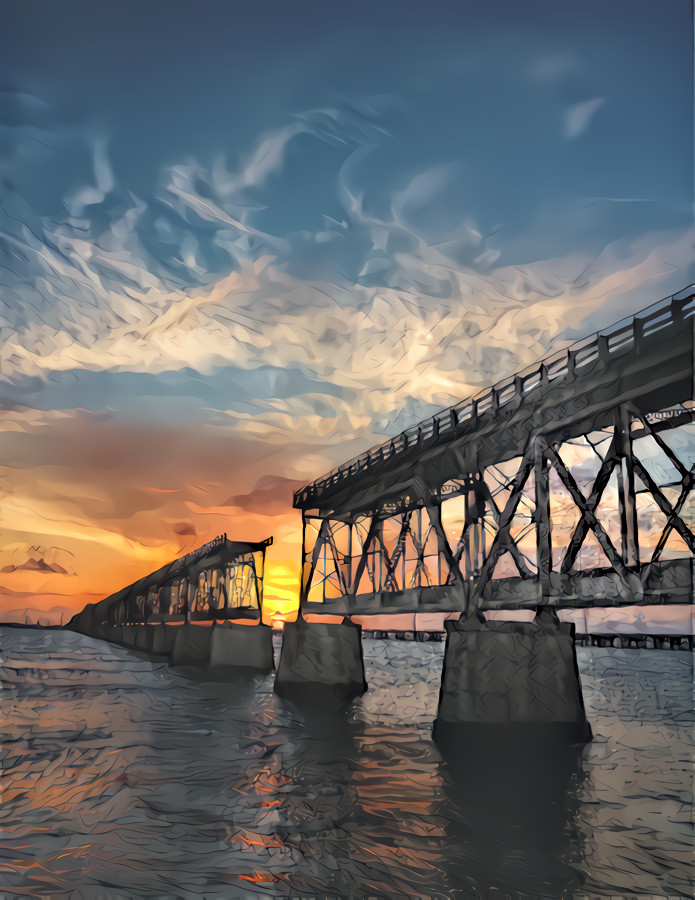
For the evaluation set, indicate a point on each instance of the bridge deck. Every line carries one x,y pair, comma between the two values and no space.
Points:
670,581
646,360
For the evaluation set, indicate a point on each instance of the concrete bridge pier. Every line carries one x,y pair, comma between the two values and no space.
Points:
321,660
192,646
128,633
221,648
144,638
514,680
163,639
106,632
241,646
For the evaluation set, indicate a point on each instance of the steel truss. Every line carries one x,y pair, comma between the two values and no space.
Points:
221,580
399,556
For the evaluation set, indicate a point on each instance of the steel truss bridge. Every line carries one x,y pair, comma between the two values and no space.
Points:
569,484
221,580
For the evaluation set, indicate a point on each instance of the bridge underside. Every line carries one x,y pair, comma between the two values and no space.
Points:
570,489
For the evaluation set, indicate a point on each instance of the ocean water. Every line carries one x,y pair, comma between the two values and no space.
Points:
122,778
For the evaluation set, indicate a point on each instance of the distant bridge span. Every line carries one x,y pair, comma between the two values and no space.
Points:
569,484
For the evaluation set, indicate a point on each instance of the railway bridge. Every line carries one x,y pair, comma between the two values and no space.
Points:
203,610
567,485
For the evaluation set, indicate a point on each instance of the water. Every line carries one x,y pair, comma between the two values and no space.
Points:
125,779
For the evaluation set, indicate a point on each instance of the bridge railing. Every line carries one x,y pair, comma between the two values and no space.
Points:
569,362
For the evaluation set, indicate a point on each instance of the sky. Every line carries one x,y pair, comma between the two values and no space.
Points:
241,243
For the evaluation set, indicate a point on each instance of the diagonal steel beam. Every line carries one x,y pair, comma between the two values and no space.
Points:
502,539
419,545
668,528
588,507
661,443
593,523
516,553
320,538
391,560
373,527
434,513
665,506
433,507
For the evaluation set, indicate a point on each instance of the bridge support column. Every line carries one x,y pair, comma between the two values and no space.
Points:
192,646
164,639
512,679
144,638
127,637
321,660
241,646
110,633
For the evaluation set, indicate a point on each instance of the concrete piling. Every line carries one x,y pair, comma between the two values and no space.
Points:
163,639
321,659
192,646
241,646
144,638
128,633
511,675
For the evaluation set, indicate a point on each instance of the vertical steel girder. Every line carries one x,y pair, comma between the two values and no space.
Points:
385,564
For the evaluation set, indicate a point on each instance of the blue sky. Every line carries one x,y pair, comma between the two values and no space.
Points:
297,227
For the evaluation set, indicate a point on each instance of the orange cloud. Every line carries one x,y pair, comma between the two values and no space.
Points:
119,501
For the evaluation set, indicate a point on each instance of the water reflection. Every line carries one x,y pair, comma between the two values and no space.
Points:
123,778
514,814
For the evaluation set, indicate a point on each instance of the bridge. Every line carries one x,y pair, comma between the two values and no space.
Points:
219,585
470,508
567,485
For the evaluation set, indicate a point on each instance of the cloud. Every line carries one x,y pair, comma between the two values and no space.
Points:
36,565
123,500
578,116
270,496
366,307
555,66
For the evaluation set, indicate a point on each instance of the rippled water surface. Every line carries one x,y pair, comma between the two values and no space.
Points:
125,779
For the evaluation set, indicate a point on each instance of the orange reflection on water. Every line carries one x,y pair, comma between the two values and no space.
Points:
259,876
254,839
403,805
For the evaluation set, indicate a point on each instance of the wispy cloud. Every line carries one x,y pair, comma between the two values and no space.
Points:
578,116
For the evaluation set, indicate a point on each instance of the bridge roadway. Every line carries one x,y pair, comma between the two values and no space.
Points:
616,379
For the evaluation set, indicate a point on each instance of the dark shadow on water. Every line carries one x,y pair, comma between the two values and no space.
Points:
322,714
238,685
509,790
